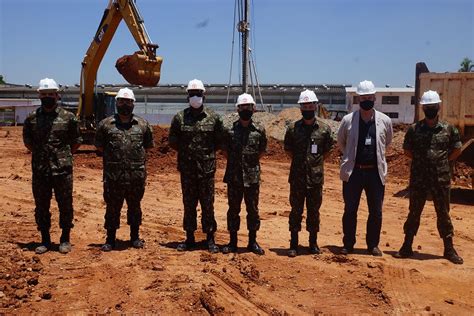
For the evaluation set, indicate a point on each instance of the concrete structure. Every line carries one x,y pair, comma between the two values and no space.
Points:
397,103
159,104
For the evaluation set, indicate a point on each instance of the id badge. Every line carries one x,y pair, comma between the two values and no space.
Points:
368,141
314,149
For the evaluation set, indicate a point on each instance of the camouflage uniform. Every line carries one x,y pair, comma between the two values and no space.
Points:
197,138
124,160
306,171
244,146
51,135
430,172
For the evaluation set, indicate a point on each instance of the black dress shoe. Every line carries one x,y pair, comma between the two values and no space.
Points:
375,252
185,246
404,252
256,249
292,253
229,248
138,243
346,250
107,247
314,249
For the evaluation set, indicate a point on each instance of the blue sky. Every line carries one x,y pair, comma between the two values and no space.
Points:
295,41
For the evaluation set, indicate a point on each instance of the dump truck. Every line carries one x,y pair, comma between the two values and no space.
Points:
456,91
141,68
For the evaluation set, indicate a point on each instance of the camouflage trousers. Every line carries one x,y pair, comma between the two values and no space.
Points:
200,190
115,193
314,198
235,194
441,198
43,187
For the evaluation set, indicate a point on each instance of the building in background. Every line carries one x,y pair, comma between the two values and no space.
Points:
160,104
396,103
15,111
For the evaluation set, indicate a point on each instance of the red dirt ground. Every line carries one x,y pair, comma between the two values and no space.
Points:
158,279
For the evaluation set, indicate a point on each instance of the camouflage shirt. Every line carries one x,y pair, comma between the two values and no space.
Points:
197,138
430,148
308,144
51,135
124,147
244,146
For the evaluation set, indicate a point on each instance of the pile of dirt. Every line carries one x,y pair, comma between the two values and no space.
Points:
275,151
398,163
162,156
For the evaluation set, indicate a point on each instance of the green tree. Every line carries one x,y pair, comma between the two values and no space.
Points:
1,80
466,65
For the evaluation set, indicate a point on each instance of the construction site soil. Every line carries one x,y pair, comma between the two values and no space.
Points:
158,279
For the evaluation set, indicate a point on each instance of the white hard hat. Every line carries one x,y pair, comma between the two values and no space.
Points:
245,98
125,93
366,87
47,84
307,96
430,97
196,84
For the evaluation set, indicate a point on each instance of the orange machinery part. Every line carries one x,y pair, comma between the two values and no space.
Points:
138,69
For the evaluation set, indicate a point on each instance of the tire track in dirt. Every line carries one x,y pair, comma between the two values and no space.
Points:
233,294
399,282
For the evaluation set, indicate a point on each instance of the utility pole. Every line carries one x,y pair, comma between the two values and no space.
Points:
244,27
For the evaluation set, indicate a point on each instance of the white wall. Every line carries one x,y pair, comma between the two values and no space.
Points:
23,107
405,110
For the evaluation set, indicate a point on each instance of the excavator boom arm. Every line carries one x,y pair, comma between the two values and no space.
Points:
141,68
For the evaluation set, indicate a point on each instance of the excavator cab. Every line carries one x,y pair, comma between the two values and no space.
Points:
104,105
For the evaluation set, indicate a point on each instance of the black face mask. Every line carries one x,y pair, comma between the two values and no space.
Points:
367,104
48,102
308,115
431,113
124,110
245,114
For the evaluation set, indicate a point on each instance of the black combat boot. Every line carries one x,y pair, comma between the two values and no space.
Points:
45,242
449,251
313,244
64,244
406,250
189,243
135,237
293,252
211,244
253,246
232,246
110,240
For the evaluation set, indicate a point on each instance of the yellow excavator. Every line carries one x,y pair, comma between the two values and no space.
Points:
142,68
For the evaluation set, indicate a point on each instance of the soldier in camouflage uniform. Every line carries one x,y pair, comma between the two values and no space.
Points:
307,141
244,142
431,144
195,133
52,135
123,139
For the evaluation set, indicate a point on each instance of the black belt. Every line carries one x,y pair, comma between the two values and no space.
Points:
361,166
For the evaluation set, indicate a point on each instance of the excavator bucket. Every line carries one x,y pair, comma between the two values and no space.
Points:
138,69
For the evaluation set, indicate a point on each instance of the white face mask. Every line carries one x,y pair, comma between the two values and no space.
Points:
195,102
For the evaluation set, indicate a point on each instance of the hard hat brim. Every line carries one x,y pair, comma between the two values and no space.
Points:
428,103
47,90
367,93
197,89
